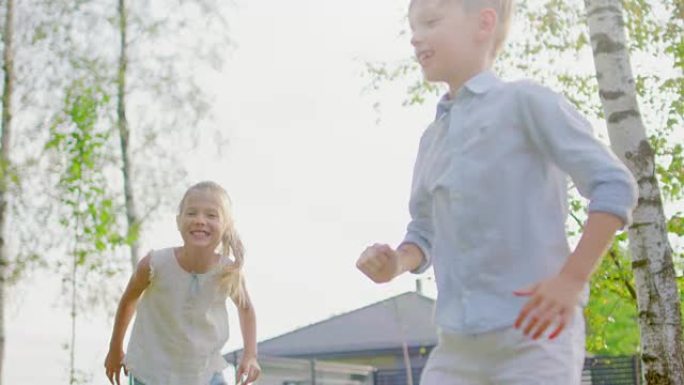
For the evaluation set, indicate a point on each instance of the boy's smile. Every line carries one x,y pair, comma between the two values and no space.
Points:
423,56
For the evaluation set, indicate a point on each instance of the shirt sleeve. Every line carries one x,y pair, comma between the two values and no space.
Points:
566,137
420,229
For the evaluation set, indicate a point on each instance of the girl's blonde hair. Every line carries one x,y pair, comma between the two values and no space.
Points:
231,277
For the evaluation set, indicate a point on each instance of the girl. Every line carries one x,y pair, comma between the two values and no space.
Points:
182,320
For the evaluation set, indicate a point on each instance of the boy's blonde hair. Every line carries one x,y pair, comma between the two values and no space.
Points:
504,11
231,279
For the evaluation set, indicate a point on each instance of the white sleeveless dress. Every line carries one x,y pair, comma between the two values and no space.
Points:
180,327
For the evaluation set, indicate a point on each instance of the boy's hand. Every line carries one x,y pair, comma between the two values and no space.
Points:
113,365
249,369
552,301
379,262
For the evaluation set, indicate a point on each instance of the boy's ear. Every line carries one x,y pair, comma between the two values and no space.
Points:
487,22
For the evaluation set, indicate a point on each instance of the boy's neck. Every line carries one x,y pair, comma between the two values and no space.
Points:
458,80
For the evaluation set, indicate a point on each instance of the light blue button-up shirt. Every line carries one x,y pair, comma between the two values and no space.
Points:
489,196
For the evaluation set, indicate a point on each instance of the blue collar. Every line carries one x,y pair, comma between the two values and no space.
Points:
478,84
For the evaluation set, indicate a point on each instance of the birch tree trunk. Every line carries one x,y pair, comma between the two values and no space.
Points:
659,321
132,218
8,88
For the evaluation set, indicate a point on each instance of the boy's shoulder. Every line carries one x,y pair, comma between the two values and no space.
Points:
527,94
526,87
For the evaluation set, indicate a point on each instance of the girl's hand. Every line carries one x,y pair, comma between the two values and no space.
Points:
113,364
552,301
249,367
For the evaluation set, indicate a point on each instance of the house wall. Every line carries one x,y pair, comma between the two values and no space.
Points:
377,361
393,360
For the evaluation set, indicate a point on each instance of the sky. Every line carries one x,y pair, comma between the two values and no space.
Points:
313,176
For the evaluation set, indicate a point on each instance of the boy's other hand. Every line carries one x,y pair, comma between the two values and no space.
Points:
379,262
552,302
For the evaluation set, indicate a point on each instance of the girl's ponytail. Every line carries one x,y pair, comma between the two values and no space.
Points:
231,277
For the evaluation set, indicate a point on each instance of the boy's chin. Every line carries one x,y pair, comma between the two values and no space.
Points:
432,77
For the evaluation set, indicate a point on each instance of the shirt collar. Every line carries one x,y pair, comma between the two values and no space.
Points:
482,82
478,84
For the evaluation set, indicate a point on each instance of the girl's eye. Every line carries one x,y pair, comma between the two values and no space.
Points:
432,22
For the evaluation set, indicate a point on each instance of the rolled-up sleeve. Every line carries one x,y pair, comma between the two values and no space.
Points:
565,136
420,229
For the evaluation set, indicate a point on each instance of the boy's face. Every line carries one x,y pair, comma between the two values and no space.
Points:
443,36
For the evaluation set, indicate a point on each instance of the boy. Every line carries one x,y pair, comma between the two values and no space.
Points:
488,207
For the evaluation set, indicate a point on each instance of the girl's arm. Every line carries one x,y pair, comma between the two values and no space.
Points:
248,365
139,281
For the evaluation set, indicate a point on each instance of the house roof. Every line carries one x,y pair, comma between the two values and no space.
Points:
380,326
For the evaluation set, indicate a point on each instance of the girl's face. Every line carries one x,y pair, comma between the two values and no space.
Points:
201,221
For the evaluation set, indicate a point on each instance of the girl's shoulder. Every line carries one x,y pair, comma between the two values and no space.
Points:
161,260
161,256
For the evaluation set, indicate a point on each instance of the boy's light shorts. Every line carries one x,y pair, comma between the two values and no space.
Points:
507,357
217,379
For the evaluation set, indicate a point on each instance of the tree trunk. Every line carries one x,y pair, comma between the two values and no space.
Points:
8,69
660,324
133,221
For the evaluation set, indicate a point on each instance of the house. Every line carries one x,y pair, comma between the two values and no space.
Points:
385,336
376,335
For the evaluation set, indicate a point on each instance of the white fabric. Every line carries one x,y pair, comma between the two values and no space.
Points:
507,357
180,327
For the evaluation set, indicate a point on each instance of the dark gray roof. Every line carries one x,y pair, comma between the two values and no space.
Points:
379,326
